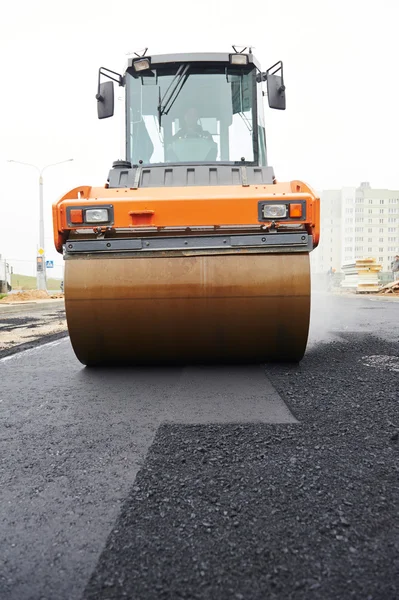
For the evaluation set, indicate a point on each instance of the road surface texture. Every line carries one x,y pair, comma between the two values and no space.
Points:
253,482
25,324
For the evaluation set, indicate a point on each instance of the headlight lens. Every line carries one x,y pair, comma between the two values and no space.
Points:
239,59
274,211
141,65
97,215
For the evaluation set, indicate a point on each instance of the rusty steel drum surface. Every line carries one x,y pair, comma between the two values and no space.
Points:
200,308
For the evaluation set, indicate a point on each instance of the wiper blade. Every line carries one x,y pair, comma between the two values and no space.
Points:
175,87
246,121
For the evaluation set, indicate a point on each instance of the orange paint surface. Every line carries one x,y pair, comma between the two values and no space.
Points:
186,206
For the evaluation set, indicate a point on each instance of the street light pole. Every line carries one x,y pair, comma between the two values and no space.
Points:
41,274
41,278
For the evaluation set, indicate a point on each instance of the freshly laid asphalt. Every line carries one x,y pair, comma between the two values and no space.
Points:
277,481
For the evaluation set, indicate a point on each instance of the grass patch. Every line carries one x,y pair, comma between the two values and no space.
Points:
27,282
2,296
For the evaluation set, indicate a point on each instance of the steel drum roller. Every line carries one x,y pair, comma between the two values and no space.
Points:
185,309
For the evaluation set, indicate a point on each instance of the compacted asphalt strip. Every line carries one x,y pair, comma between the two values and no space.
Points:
243,482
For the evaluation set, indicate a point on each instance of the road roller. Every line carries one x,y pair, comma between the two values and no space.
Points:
192,251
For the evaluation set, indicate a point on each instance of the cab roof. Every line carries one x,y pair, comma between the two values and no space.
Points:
194,57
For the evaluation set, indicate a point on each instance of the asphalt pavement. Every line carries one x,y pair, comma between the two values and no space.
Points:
25,325
246,482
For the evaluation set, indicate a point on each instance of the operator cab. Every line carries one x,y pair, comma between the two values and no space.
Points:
194,112
194,109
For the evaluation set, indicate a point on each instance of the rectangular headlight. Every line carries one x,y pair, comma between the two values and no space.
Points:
142,64
239,59
274,211
97,215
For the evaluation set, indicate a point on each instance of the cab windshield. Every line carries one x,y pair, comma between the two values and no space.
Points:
192,114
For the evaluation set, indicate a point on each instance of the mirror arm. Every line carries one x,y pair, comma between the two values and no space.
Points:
277,67
117,77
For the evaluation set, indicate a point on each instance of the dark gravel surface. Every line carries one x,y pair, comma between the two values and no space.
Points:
272,511
231,498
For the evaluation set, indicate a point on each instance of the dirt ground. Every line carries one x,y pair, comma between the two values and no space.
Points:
29,295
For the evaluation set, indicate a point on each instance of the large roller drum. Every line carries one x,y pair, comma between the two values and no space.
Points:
185,309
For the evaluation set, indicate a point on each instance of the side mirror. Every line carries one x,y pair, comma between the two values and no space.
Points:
105,100
276,87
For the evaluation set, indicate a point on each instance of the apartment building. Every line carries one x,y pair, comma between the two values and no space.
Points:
356,223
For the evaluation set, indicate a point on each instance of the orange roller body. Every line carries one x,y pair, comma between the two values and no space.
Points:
192,252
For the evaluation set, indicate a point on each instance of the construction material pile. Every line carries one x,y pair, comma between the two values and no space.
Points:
390,288
362,275
28,296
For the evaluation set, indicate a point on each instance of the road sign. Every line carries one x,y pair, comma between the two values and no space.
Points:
39,264
49,264
40,251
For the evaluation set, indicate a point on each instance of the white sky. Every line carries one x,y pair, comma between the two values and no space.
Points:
340,59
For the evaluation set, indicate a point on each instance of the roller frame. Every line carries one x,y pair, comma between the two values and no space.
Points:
275,242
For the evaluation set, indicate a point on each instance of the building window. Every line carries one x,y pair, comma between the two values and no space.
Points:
381,258
349,211
369,249
381,211
359,220
381,220
391,220
370,230
381,230
391,229
370,211
380,239
381,249
381,201
370,220
370,202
